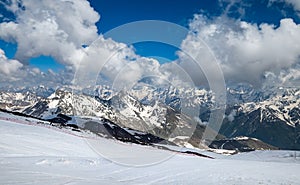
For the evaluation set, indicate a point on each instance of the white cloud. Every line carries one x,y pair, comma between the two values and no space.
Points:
8,67
246,51
294,3
52,28
232,115
202,123
33,77
115,62
11,5
56,28
59,29
235,7
36,71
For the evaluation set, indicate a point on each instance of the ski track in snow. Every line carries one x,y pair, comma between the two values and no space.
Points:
39,155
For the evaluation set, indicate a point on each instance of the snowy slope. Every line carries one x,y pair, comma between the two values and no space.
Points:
31,154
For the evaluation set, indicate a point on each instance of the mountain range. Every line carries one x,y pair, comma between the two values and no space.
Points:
264,120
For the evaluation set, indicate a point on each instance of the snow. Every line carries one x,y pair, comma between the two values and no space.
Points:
180,138
241,138
281,104
150,115
223,151
53,104
19,96
31,154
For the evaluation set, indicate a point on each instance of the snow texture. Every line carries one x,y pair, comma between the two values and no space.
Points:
35,154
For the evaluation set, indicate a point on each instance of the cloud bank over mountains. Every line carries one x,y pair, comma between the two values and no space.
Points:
247,52
65,30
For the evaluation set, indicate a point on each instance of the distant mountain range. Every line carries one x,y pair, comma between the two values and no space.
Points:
268,120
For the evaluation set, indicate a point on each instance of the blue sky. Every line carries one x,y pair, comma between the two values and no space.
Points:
179,12
117,12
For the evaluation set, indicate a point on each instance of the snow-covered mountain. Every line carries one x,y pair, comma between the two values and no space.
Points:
284,106
67,103
172,96
17,101
271,116
39,90
122,109
274,120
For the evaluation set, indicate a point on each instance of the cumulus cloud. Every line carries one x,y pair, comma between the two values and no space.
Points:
8,67
246,51
60,29
115,62
50,27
